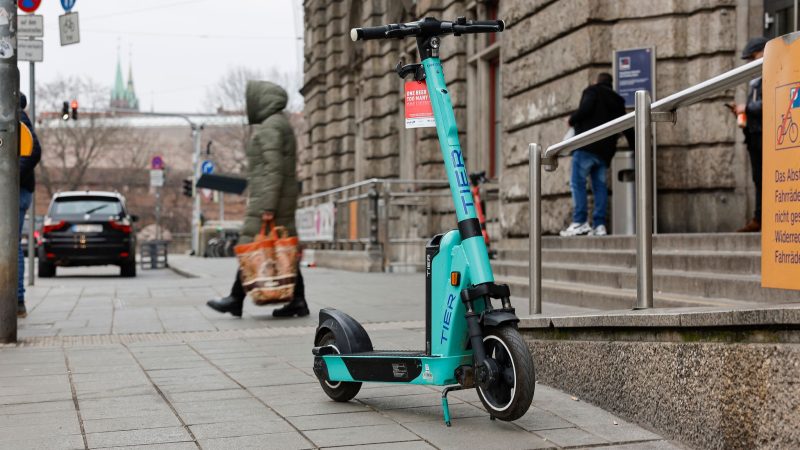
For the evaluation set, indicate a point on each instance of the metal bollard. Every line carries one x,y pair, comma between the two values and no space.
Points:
535,234
644,204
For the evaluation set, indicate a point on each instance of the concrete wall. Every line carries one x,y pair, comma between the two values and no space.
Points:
713,380
550,52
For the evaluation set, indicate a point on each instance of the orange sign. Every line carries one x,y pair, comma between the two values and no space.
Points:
25,140
419,112
780,218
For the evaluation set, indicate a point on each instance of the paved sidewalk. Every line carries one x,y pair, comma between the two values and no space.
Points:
106,362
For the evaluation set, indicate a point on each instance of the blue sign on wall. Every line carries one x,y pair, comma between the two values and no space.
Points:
67,5
207,167
634,70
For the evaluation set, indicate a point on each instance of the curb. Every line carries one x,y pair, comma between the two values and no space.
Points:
185,273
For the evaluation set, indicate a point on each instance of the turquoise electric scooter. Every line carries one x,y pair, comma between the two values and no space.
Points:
468,342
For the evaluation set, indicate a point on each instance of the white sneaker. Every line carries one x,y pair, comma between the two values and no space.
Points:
599,230
577,229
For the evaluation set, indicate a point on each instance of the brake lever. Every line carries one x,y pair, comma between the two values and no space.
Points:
404,70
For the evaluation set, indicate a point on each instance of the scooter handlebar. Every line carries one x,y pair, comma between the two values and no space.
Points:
427,26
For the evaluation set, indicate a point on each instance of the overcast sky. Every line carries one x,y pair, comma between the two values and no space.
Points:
179,48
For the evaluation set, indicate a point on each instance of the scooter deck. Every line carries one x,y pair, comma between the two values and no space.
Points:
390,353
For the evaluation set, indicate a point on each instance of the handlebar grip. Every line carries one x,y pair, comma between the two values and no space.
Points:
366,33
479,26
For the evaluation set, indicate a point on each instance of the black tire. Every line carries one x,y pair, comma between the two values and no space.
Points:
46,270
342,391
511,395
128,269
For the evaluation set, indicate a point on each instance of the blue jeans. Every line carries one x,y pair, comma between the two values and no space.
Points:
587,164
25,200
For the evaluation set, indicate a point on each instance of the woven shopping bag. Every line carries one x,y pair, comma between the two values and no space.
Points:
269,265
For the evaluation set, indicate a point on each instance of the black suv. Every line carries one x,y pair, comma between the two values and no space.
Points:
88,228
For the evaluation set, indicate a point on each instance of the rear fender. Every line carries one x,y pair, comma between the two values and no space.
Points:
350,335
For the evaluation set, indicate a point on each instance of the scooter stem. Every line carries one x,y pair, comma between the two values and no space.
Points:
468,225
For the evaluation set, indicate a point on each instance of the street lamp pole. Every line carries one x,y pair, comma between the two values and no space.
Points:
32,222
197,129
9,172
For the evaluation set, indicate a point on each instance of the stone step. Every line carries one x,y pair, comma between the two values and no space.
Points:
605,298
515,247
745,263
733,262
709,285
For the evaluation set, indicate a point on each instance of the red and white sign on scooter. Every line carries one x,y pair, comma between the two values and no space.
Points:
419,112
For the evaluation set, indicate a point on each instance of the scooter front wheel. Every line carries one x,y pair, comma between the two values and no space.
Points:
510,394
340,391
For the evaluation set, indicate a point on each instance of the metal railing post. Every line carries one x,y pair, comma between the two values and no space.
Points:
373,216
644,205
535,234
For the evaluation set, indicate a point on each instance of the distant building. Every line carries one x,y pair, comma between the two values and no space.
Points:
123,96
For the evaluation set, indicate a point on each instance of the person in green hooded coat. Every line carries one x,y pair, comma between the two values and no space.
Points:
272,185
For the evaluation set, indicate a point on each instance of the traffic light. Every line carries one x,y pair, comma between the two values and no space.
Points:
187,187
65,111
74,106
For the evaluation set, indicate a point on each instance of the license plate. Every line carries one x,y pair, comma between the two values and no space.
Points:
87,228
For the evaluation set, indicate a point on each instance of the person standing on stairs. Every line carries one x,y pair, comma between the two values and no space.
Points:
599,104
752,112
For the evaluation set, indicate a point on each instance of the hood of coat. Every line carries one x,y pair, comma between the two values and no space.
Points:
263,99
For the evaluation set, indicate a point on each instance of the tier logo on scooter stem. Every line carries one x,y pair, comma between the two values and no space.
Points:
462,180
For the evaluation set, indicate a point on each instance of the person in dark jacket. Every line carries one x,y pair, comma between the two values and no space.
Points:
27,186
272,185
752,130
599,104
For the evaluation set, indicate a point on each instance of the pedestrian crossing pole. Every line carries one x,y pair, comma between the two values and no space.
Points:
9,170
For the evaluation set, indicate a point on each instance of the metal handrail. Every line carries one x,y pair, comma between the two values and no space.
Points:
683,98
369,182
641,119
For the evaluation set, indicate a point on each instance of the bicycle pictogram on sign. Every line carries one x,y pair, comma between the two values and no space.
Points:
788,131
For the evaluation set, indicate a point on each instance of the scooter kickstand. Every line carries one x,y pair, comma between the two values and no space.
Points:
445,406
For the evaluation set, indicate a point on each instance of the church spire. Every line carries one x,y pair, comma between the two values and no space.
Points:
119,87
123,96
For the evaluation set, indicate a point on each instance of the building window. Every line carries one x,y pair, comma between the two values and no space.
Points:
484,91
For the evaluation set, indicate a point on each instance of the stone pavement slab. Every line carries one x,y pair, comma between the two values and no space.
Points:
166,372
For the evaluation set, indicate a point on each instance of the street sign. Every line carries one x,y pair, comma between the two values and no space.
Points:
30,50
29,6
67,5
69,28
157,163
156,178
207,167
634,70
780,217
30,25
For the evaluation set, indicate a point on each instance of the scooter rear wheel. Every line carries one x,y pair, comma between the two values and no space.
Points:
510,395
340,391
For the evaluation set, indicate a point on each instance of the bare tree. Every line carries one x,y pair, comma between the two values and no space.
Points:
96,139
228,96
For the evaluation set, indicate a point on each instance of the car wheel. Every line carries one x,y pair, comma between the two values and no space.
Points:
128,269
47,270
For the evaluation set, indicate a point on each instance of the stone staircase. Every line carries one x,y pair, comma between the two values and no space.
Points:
721,269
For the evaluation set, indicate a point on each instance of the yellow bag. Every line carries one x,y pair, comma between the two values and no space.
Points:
269,265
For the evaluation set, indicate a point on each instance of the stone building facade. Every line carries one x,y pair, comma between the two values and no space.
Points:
519,87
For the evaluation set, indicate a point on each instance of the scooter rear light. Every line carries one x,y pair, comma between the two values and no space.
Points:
123,226
124,254
51,256
52,225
